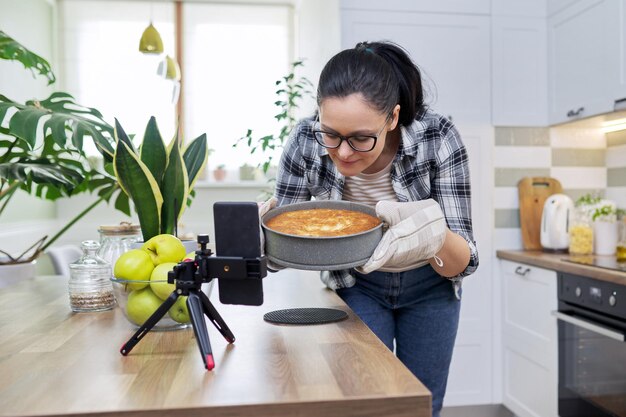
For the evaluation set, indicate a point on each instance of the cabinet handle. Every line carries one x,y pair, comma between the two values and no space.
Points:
573,113
522,271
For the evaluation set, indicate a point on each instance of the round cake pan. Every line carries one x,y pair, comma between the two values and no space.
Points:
321,253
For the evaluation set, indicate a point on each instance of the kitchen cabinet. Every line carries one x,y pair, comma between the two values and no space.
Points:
452,51
584,49
529,335
520,81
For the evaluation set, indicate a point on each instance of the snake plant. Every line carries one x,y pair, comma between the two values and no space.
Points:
158,179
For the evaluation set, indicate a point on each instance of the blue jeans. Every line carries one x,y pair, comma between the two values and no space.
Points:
419,311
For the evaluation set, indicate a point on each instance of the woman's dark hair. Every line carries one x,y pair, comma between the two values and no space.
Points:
382,72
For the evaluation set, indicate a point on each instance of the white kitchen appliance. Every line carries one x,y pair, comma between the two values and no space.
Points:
555,222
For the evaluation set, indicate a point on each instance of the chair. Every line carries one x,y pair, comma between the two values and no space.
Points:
62,257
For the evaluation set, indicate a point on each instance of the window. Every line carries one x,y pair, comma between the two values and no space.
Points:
233,53
104,69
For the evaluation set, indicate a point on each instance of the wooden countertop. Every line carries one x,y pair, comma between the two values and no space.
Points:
55,362
556,262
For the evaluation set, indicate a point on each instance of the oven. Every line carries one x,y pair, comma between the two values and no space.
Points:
591,345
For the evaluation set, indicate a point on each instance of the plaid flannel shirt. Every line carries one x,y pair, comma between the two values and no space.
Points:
431,162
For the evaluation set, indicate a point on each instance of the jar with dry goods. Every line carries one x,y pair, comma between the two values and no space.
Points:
116,240
90,287
580,233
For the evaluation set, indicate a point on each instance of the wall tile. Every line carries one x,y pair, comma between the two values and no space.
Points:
616,177
576,137
617,194
616,156
616,138
506,198
522,136
571,157
580,177
521,157
506,218
507,239
509,177
576,193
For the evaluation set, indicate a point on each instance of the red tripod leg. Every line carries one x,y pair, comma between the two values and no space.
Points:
199,327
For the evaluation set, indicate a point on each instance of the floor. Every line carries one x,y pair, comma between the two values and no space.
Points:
489,410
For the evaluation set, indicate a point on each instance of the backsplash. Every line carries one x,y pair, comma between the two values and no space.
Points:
616,167
576,157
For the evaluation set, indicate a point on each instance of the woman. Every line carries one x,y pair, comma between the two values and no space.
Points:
374,140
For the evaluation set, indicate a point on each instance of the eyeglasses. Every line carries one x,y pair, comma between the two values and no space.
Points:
360,143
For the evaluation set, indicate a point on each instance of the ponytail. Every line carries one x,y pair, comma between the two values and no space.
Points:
382,72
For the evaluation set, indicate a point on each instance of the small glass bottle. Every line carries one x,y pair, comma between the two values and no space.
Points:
580,233
116,240
621,240
90,287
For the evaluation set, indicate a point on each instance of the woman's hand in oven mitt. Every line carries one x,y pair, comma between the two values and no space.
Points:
263,209
416,233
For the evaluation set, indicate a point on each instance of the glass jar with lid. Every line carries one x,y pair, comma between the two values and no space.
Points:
580,232
117,239
89,286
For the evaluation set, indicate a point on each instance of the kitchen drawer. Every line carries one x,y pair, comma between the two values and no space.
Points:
529,297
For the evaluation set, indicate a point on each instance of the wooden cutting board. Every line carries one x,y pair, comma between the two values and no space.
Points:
533,192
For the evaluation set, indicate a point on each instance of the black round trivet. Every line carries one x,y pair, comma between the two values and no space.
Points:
305,316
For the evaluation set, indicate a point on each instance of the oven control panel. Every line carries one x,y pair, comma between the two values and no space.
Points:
600,296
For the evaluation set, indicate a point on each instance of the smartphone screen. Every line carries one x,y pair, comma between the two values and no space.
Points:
237,234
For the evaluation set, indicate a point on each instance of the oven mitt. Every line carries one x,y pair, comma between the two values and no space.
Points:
264,208
416,232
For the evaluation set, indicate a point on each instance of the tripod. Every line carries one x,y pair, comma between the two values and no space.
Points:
189,277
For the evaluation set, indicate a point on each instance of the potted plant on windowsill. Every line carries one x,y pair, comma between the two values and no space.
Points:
219,173
41,149
290,90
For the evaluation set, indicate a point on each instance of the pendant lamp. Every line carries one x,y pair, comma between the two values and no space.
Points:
151,42
173,69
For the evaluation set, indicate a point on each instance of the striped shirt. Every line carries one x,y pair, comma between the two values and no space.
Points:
431,162
370,188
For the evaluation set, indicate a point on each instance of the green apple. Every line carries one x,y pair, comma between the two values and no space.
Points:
191,256
164,248
179,312
162,289
141,305
134,265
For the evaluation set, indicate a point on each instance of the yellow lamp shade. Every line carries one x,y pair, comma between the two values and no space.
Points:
151,42
169,69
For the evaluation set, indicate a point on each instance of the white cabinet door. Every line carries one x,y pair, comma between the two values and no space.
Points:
584,59
529,334
520,81
471,372
620,92
453,52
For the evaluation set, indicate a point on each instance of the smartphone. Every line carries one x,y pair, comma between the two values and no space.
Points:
237,233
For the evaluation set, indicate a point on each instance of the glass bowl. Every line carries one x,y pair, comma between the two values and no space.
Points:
139,299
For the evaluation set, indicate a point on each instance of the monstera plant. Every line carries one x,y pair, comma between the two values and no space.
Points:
158,179
41,148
